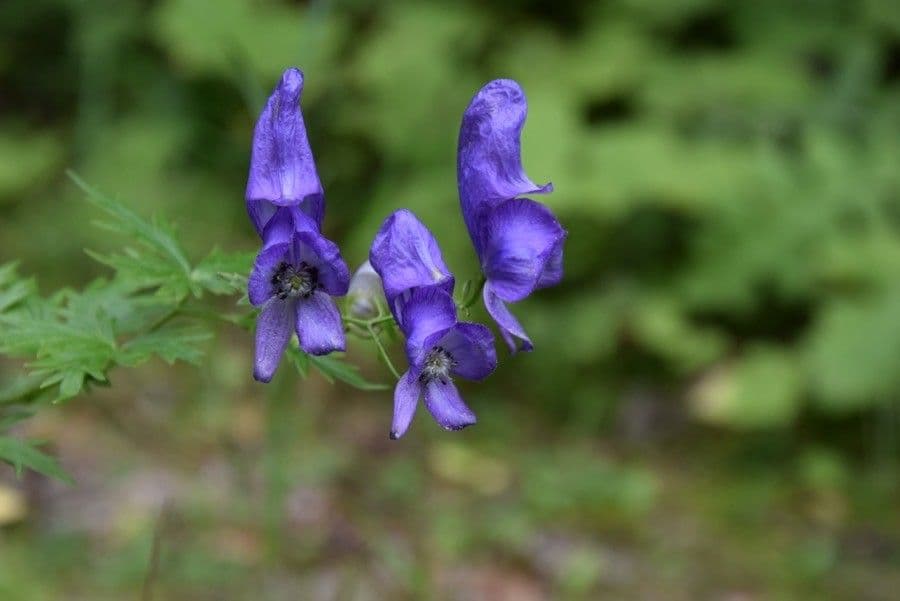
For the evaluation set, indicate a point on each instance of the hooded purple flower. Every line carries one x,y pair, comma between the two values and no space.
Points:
295,275
282,169
406,255
418,287
519,242
438,347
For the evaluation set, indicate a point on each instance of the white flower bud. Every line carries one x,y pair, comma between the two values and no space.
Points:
365,293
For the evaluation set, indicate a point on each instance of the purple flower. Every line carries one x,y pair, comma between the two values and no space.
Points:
518,241
406,255
438,347
295,275
282,169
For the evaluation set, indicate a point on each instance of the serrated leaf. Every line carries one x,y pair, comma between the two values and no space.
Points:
138,270
170,343
23,454
333,369
157,258
13,290
67,339
223,273
300,360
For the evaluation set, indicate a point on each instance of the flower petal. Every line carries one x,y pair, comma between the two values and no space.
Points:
273,331
279,228
282,168
319,326
522,237
510,328
489,162
259,285
314,249
406,398
405,255
553,268
471,345
422,313
449,411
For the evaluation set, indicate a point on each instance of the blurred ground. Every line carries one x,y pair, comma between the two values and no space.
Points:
711,412
306,497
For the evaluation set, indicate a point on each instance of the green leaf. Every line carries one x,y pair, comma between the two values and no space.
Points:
333,369
23,454
300,360
223,273
13,290
65,352
157,258
171,343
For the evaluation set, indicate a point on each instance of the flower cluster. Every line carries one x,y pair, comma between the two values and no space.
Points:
518,241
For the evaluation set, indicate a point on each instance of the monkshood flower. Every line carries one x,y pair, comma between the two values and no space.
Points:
419,288
294,278
406,255
282,170
438,348
518,241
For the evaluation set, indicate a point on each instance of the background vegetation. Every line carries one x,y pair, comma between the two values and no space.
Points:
712,408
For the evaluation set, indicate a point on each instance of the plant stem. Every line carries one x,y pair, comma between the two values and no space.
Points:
367,322
382,351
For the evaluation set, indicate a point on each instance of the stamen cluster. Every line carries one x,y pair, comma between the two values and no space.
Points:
289,281
437,366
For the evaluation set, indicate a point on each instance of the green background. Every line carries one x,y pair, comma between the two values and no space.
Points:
711,410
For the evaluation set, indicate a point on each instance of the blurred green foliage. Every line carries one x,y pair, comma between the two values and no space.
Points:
728,173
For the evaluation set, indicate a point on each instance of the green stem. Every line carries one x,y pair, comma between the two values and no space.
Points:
365,323
382,351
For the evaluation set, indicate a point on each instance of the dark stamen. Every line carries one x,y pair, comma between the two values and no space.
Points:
290,281
437,366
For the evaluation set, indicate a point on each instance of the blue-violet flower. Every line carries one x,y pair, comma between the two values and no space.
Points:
419,288
295,276
519,242
438,347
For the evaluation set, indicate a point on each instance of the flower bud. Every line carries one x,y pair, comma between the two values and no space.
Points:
365,292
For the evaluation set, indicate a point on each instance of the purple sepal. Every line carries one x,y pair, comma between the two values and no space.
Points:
489,162
406,255
282,169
